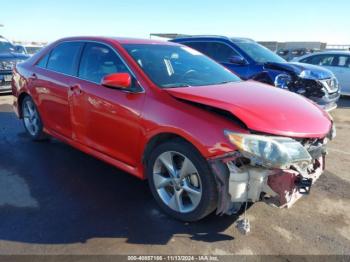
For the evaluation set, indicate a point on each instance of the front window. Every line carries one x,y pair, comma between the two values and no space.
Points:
178,66
98,61
326,60
321,60
259,53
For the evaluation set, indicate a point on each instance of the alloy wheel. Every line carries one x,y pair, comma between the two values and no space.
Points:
31,118
177,181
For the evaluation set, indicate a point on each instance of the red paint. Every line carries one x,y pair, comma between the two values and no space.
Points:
118,80
263,108
116,126
282,182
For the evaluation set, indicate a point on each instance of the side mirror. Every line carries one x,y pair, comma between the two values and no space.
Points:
237,60
117,80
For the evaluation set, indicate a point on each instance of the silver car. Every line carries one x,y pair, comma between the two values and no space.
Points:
336,61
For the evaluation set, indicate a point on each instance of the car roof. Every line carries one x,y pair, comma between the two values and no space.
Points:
120,40
335,52
323,53
221,37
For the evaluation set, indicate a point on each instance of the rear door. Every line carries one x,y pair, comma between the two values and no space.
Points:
103,118
52,80
341,68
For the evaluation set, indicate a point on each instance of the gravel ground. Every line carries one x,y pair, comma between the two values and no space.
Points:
57,200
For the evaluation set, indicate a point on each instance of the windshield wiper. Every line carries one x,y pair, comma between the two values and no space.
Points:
175,85
225,82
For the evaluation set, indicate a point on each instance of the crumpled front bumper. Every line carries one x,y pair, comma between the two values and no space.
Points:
280,188
289,185
328,102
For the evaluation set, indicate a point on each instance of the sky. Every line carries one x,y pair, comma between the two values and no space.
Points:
262,20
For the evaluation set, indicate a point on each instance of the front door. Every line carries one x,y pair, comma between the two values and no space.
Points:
103,118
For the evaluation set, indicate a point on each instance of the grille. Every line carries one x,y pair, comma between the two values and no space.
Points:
3,82
330,84
7,65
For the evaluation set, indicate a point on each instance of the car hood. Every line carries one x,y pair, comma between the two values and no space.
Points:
12,56
262,108
317,72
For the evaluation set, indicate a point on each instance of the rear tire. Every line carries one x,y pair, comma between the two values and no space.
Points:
32,120
184,191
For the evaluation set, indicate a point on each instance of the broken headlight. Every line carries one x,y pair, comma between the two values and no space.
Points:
282,81
272,152
315,75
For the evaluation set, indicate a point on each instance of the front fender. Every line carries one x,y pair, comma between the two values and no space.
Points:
205,146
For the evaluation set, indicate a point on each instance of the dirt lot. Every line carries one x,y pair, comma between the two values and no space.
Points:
57,200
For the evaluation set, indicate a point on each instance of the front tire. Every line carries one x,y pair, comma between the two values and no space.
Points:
181,181
32,120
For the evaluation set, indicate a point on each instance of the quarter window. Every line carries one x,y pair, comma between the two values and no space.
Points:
63,58
43,61
99,60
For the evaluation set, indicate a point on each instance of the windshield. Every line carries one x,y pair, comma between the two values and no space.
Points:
259,53
178,66
6,47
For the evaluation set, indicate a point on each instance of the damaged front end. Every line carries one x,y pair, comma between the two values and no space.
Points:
315,83
276,170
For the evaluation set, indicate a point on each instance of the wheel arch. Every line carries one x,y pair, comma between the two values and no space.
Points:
263,77
162,137
19,103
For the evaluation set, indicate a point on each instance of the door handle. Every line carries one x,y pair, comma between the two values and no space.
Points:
75,89
33,77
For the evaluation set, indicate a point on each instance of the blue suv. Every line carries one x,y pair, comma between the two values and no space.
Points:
9,56
250,60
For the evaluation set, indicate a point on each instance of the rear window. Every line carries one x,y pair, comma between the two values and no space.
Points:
63,58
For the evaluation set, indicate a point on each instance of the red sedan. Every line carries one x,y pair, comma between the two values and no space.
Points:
204,139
